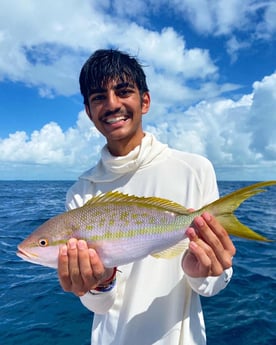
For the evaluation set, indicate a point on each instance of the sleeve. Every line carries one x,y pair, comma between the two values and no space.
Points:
210,286
99,303
209,185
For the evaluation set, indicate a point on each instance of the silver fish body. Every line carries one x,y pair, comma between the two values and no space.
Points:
123,228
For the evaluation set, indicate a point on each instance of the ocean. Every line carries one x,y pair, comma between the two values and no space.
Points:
34,310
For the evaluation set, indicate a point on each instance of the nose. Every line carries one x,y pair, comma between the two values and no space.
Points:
113,102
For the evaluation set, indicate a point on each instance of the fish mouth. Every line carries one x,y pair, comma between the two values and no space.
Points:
35,258
24,254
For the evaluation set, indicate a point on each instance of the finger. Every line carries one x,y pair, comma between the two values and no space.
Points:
85,268
203,253
201,259
63,270
97,266
221,257
191,234
207,233
74,270
100,273
220,232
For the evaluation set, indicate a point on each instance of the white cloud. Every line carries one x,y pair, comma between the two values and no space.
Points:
222,17
267,28
228,132
76,147
252,20
262,121
44,46
233,46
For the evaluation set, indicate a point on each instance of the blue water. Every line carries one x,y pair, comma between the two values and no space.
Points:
34,310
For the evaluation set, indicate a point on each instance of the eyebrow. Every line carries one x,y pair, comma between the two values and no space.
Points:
115,87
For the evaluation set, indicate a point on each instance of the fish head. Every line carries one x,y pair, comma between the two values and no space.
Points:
42,246
47,256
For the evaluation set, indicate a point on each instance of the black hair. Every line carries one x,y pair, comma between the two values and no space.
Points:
108,64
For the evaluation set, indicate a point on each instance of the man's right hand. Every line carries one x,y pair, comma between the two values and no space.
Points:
80,268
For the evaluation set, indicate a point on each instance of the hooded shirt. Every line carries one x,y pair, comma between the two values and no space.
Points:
153,301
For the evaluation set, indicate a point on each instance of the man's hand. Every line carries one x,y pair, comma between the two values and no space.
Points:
80,268
210,250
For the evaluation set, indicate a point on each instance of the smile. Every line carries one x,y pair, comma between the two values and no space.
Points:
112,120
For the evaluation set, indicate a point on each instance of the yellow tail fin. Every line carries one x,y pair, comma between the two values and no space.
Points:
223,209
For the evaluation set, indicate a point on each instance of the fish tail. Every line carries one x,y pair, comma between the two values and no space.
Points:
223,209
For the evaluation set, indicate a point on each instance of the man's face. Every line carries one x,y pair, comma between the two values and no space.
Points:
116,111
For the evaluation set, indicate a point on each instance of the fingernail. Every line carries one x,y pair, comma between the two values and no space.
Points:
207,216
72,243
91,252
193,245
189,232
82,245
199,221
63,250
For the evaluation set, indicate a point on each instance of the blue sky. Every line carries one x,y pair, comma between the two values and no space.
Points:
210,65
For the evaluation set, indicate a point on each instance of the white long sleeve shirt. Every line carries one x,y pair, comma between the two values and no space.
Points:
153,301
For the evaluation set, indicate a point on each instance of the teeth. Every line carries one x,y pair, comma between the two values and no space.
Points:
115,119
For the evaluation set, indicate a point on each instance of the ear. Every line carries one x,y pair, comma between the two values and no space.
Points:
145,102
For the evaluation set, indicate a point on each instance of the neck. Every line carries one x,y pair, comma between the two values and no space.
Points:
124,146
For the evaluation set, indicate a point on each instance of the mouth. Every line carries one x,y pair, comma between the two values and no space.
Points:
116,119
36,259
111,120
24,254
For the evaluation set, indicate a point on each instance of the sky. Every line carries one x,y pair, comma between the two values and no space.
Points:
210,66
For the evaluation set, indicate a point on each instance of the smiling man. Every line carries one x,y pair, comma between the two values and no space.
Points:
116,112
152,301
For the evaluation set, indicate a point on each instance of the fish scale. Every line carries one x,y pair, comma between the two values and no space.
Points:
133,221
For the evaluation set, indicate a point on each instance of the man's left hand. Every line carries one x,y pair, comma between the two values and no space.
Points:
210,250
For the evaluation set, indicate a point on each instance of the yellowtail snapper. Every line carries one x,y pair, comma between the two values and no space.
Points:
124,228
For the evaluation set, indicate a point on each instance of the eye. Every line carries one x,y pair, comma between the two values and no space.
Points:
43,242
97,98
125,92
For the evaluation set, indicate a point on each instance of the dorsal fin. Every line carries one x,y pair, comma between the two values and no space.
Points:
118,197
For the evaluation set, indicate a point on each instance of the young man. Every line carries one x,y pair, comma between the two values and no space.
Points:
152,301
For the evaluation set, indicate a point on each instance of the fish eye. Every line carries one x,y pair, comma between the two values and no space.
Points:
43,242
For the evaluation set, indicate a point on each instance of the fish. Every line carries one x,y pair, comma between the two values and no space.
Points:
126,228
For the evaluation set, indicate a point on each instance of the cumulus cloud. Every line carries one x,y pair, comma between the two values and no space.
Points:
46,49
76,147
228,19
44,46
262,121
228,132
221,17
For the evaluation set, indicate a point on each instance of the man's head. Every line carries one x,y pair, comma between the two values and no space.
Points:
106,65
116,96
